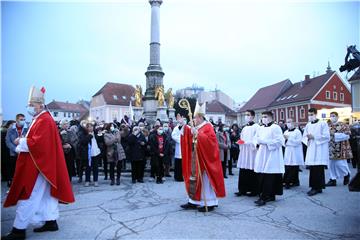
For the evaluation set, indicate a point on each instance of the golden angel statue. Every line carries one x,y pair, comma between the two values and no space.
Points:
170,98
138,96
159,95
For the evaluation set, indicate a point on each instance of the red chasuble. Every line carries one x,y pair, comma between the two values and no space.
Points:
208,156
45,157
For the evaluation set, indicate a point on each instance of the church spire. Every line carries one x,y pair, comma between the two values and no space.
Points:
328,69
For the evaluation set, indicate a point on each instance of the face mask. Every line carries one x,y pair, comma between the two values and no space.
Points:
247,119
160,132
136,132
312,118
265,121
226,129
31,111
333,119
165,129
141,128
289,125
112,128
21,123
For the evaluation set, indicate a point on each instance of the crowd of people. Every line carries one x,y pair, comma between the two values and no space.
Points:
269,155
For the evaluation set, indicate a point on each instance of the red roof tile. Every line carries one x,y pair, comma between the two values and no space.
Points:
303,91
217,107
66,106
116,93
266,95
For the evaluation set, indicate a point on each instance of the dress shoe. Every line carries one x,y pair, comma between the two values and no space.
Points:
260,203
331,183
313,192
167,175
231,174
225,176
105,178
112,182
15,234
118,181
203,209
296,184
189,206
141,181
287,186
49,226
239,194
251,194
347,179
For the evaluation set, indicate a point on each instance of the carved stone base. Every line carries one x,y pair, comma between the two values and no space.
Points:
161,114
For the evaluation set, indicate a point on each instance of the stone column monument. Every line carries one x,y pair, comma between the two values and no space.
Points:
154,74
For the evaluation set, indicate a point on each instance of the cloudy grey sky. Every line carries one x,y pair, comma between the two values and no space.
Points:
74,48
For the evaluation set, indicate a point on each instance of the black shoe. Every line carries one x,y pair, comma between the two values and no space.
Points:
112,182
118,181
167,175
141,181
331,183
260,203
231,174
251,194
225,176
49,226
287,186
269,199
347,179
105,178
189,206
239,194
203,209
313,192
15,234
296,184
159,181
133,181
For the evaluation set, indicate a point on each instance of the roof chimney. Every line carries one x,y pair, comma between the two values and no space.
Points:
307,79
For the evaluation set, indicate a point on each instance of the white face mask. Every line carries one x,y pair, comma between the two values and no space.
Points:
290,125
312,118
112,128
247,119
160,132
333,119
265,121
31,111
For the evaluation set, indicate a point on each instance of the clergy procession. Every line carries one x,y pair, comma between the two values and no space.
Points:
50,156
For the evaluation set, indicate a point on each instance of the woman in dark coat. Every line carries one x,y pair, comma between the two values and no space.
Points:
137,149
5,153
68,147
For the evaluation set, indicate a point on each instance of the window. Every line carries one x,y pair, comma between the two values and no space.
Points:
56,113
327,94
291,113
64,114
341,97
302,113
282,115
335,95
69,114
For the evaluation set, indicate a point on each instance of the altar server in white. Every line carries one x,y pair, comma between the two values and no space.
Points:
248,179
269,161
293,156
316,136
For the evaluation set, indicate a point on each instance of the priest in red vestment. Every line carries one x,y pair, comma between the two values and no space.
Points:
202,170
41,179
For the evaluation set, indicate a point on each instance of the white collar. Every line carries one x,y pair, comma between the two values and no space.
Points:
201,125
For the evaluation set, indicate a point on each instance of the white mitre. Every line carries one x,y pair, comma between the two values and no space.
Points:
36,95
200,109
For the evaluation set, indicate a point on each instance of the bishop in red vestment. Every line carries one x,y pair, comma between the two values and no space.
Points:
41,178
201,166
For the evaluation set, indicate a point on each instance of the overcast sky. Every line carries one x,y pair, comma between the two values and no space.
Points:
73,49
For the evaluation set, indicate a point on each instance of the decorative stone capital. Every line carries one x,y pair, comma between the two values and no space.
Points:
156,3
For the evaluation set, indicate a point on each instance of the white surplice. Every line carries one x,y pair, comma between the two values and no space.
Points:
294,155
248,150
318,148
269,157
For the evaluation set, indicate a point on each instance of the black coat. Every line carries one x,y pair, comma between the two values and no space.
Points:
136,150
84,141
154,147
